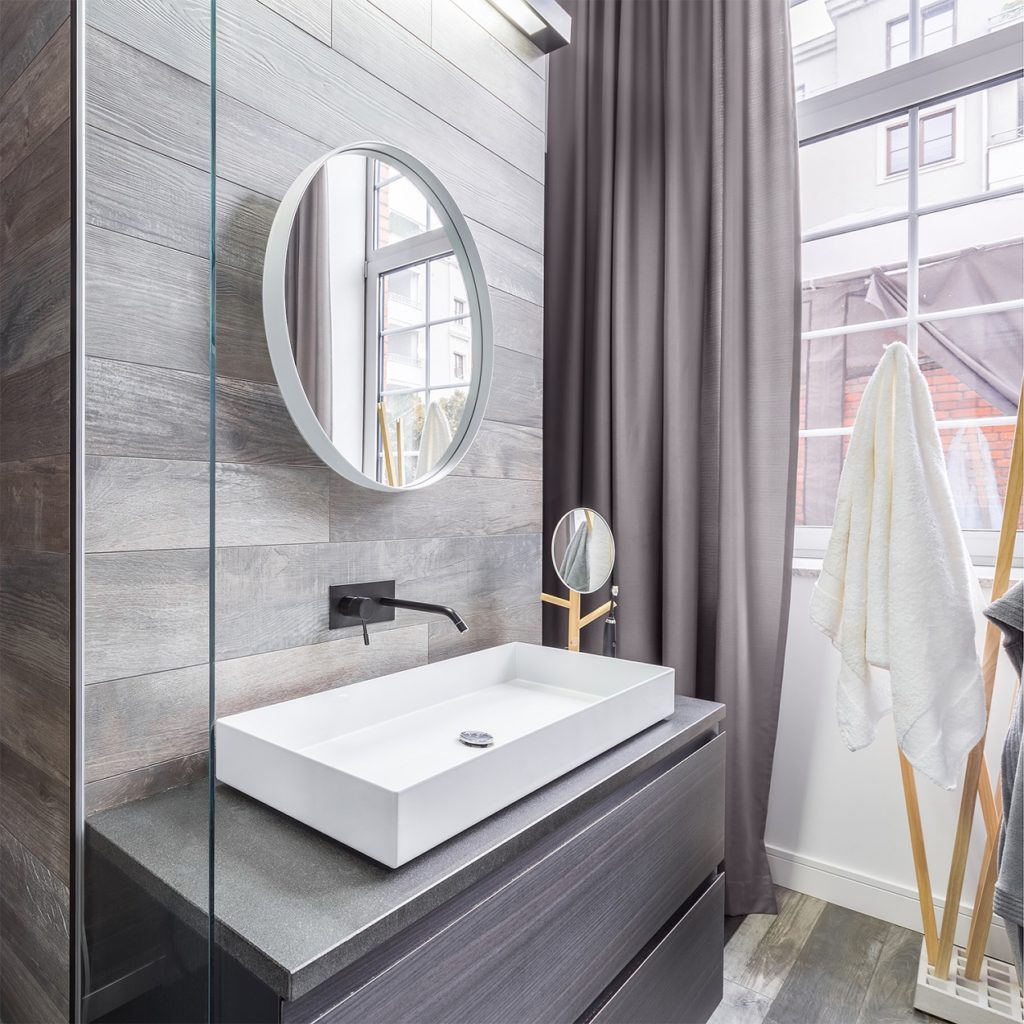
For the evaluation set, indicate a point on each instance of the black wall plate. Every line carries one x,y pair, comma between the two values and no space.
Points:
382,588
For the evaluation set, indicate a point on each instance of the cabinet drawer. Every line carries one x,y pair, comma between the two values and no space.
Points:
545,942
680,980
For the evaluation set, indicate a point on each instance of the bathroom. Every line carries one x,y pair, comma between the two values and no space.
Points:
453,559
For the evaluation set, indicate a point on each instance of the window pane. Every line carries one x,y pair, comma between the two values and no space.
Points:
973,364
843,180
834,374
447,289
834,44
819,463
899,41
938,26
403,297
972,255
451,347
402,211
978,464
855,278
404,360
937,138
1004,146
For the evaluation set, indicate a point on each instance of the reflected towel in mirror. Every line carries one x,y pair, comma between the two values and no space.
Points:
434,441
575,568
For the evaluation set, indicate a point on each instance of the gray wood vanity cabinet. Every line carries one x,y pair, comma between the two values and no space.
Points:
596,899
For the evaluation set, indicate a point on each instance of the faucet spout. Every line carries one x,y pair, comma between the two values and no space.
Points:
425,606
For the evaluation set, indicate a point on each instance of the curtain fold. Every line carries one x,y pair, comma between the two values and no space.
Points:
307,285
672,353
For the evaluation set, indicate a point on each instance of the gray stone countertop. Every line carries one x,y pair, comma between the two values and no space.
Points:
296,907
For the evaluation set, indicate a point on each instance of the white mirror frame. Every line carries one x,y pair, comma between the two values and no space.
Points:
275,317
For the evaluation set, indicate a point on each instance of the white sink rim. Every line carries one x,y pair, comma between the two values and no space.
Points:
394,823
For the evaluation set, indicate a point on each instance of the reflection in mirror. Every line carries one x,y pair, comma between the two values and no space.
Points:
583,550
385,320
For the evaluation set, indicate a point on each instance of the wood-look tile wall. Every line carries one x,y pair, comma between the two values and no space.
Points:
453,83
35,605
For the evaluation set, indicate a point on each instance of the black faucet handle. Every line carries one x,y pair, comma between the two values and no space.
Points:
360,608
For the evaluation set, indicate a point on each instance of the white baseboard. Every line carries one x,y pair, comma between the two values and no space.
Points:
876,897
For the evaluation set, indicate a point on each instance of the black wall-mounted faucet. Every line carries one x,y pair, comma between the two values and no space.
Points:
357,604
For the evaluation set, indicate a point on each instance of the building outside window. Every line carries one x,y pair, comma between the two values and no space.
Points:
937,141
912,224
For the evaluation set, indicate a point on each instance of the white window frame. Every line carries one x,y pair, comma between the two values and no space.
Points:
418,250
902,91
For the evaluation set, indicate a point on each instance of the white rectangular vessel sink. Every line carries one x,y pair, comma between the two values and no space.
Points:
380,766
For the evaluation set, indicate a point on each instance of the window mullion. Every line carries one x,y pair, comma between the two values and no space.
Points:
913,232
916,42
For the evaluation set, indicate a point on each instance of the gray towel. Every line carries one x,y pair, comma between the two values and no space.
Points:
575,568
1008,614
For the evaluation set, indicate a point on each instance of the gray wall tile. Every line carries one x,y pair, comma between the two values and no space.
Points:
471,107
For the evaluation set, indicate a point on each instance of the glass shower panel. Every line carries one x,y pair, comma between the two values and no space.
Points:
146,203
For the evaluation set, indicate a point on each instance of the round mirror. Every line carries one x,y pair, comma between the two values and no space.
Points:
377,317
583,550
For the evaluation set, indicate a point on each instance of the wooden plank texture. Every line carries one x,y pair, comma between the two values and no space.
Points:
26,433
312,16
506,450
468,45
38,102
489,17
491,626
35,806
35,302
35,503
539,949
146,303
762,953
162,717
507,118
144,504
144,782
320,93
413,15
35,930
452,507
829,981
269,598
26,26
657,990
35,613
35,196
148,611
36,723
520,398
471,106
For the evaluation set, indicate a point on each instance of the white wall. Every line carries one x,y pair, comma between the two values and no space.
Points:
837,826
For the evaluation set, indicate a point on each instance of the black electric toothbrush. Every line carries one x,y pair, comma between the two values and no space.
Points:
611,629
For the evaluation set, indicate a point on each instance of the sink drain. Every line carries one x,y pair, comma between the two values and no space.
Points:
476,738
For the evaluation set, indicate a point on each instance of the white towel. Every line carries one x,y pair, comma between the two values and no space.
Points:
434,441
895,591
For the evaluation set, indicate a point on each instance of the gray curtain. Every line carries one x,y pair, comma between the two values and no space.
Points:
307,292
671,352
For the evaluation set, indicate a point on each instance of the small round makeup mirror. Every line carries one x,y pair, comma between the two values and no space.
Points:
583,550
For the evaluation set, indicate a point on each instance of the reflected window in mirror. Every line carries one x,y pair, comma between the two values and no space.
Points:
377,318
420,336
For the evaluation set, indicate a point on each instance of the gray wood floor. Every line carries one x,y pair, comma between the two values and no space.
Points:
816,963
